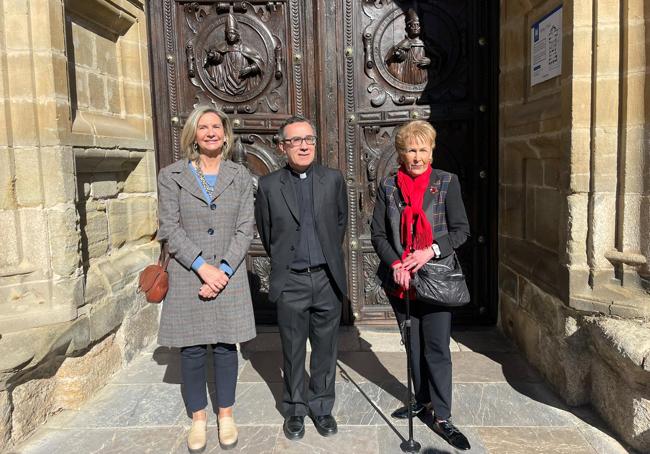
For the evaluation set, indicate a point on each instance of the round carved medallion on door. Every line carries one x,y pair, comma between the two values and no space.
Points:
407,50
234,56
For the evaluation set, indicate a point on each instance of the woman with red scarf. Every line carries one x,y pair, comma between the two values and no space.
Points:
419,216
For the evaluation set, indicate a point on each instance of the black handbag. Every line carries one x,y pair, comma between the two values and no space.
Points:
441,282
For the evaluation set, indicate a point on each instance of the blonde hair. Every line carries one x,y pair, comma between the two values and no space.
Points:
414,130
188,135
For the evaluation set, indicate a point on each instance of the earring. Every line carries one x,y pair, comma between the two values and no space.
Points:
195,147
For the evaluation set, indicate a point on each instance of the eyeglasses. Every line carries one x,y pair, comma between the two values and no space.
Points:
297,141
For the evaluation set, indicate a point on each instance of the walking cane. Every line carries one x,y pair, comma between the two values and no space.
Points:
409,445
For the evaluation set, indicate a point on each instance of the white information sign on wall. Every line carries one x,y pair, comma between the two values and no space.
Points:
546,47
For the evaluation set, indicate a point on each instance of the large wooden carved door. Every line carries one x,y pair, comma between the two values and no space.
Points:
429,60
249,59
353,67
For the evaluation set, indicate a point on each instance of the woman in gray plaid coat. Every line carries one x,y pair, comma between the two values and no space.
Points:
206,216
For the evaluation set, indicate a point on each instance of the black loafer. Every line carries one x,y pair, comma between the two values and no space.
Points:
294,427
325,425
451,434
403,412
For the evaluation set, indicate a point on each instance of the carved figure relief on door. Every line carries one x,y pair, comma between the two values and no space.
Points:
234,57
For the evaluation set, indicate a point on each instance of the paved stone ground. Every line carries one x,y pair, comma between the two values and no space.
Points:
500,402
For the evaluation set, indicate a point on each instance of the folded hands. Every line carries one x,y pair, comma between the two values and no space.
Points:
404,270
214,281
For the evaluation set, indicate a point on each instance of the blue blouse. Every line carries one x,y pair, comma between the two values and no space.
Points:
212,181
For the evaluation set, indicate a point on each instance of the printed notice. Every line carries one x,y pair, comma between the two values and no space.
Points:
546,47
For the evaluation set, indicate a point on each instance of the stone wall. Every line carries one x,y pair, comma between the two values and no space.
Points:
77,202
574,207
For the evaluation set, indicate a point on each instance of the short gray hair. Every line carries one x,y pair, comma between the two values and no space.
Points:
415,129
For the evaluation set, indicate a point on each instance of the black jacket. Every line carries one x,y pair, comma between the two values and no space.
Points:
443,206
278,218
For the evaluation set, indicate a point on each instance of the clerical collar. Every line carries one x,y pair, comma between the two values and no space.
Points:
300,175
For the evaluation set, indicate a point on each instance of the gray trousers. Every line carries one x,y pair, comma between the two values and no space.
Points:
309,307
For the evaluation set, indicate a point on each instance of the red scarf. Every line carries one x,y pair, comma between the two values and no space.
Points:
415,230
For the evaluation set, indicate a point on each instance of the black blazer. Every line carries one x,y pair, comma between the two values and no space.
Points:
278,218
443,206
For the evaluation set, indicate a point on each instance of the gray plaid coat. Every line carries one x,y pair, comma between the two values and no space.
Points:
221,230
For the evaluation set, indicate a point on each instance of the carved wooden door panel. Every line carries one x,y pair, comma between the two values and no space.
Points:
248,59
429,60
353,67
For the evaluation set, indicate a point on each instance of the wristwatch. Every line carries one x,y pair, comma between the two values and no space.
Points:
436,249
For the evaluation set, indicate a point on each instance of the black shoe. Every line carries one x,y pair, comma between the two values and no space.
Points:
294,427
451,434
325,425
403,412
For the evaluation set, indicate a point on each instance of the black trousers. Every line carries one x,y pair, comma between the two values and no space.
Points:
309,307
224,361
430,355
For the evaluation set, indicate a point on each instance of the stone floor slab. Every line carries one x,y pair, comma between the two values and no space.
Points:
500,403
474,404
495,367
376,367
430,442
362,366
105,441
602,441
534,440
482,341
151,368
350,439
385,367
262,367
258,403
391,341
353,407
139,405
263,342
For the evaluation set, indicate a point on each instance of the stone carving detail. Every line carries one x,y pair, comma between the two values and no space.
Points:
231,66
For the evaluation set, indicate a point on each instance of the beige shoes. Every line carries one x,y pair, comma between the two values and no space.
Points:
228,432
196,439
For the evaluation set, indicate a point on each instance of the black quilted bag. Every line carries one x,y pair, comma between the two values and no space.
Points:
441,282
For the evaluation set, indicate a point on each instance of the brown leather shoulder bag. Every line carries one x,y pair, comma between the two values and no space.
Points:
154,280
